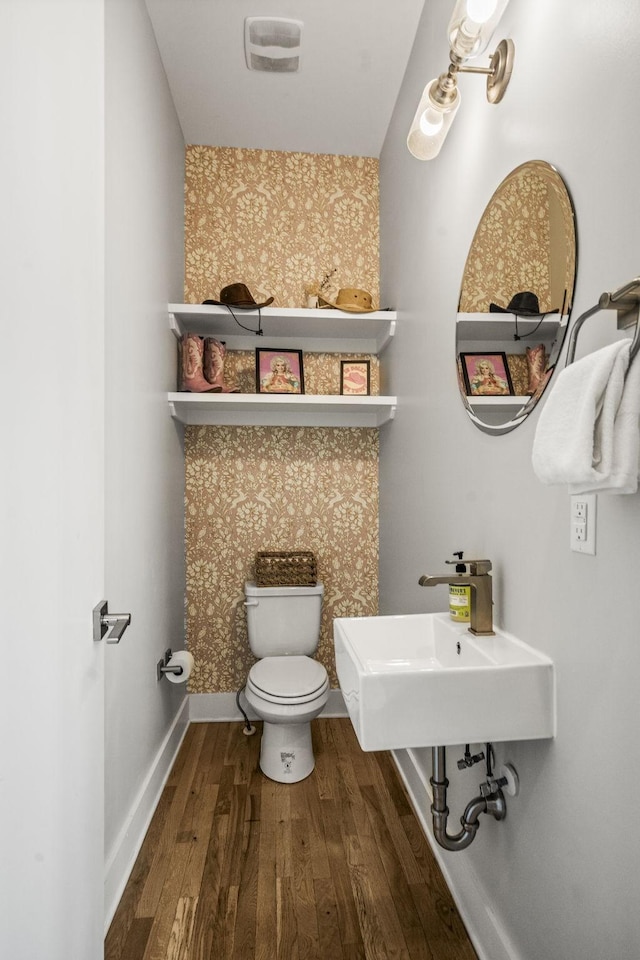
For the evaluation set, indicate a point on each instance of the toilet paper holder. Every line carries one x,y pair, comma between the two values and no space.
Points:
163,667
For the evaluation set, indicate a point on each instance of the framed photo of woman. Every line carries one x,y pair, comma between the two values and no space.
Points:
279,371
486,375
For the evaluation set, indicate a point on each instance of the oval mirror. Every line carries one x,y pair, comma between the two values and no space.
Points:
516,297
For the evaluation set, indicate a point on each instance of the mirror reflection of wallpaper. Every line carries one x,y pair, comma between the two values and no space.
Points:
273,488
515,223
279,222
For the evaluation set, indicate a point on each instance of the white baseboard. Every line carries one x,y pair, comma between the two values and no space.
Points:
484,928
214,707
122,856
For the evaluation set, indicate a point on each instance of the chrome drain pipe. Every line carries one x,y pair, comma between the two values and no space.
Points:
490,801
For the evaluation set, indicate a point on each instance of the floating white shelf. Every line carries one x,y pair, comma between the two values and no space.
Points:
503,404
242,409
478,331
317,331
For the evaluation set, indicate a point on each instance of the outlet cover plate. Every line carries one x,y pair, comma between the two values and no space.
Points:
583,523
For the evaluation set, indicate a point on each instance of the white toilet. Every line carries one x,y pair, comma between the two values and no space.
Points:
286,688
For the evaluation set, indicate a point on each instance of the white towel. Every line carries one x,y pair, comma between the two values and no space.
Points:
583,438
623,477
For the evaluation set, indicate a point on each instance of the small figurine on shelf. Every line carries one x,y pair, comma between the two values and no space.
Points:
311,292
328,289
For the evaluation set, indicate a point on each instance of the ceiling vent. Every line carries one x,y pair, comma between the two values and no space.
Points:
272,44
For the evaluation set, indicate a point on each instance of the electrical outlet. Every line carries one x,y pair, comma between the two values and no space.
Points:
583,523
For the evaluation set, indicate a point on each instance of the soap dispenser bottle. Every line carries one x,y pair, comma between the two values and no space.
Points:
459,595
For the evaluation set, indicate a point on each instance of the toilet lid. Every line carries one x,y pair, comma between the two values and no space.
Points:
288,679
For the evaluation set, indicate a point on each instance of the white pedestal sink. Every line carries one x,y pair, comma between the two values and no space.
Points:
422,680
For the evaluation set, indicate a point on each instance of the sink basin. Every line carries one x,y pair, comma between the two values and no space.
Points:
423,680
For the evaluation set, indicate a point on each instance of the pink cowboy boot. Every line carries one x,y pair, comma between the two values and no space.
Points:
192,378
214,352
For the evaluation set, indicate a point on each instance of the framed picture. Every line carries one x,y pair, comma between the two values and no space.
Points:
355,378
486,375
279,371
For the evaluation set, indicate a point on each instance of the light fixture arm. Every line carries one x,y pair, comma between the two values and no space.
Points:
498,73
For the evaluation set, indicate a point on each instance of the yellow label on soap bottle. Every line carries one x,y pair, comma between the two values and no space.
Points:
460,603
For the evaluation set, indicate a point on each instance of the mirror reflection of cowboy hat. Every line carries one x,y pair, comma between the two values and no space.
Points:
524,304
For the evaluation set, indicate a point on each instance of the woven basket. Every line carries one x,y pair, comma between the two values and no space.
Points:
286,568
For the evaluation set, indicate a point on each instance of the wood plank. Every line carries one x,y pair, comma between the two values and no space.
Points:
348,923
168,905
242,753
180,938
247,907
287,927
319,859
152,891
324,752
266,920
304,894
390,832
202,939
327,918
200,836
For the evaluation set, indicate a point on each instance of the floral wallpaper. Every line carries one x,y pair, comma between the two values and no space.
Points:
273,488
280,223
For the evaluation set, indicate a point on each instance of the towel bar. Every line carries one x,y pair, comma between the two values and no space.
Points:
628,309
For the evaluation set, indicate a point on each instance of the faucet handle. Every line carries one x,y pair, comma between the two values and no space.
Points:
479,568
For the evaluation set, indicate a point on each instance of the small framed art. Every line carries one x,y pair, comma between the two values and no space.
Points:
355,378
486,375
279,371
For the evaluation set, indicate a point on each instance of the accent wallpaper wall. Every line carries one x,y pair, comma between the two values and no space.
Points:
279,223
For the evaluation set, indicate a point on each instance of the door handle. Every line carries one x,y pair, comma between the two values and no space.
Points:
113,624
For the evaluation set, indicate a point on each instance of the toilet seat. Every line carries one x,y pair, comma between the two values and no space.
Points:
288,680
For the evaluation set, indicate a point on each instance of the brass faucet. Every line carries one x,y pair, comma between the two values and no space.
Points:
481,618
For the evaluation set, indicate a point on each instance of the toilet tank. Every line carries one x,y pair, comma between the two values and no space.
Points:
283,621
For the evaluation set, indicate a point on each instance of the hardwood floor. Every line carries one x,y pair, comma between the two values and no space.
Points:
237,867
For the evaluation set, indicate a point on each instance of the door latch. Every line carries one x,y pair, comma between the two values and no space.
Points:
113,624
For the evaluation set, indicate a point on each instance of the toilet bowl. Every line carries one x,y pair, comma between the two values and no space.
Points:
286,688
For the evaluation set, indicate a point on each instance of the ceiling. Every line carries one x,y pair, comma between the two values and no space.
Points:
352,61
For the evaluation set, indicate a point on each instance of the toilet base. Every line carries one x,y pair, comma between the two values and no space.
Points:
286,754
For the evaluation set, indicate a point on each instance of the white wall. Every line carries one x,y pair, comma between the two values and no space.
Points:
561,873
51,477
144,464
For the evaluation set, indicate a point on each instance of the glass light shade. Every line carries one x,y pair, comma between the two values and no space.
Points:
431,124
472,25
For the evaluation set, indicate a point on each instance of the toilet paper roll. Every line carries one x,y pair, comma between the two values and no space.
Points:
184,659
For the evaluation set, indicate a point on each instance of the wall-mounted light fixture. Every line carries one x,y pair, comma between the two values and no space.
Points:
470,29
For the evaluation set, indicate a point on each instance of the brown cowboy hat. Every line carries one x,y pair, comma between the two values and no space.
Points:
238,295
525,304
352,300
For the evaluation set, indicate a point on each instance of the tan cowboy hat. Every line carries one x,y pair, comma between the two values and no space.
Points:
238,295
352,300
